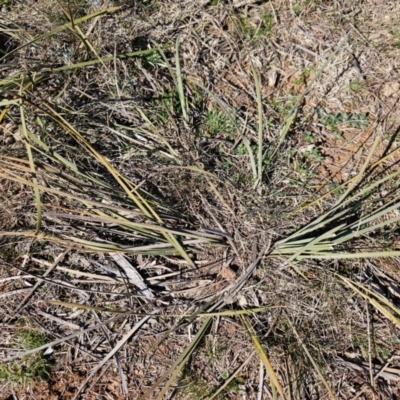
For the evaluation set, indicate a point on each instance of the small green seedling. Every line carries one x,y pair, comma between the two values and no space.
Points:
309,137
315,155
355,85
152,59
225,375
333,121
297,9
252,31
267,23
218,124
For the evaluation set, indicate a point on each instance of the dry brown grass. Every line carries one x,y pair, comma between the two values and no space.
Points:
197,174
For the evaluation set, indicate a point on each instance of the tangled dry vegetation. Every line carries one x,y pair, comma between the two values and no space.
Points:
199,199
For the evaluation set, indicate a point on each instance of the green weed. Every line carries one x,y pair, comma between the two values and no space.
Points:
151,59
252,31
240,150
355,85
32,338
333,121
396,43
315,155
309,137
267,23
360,343
193,388
34,367
284,105
305,74
335,187
383,352
297,9
217,123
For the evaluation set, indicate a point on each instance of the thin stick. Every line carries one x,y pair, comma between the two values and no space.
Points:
24,302
261,382
371,375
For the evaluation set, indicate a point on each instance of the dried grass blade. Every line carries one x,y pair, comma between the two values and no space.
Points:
327,235
62,27
160,248
75,29
379,212
378,301
309,356
33,169
94,308
60,321
178,364
359,176
102,60
126,185
358,232
127,223
104,278
321,221
53,155
8,102
15,291
309,203
263,357
260,143
179,83
348,256
158,135
15,178
128,312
